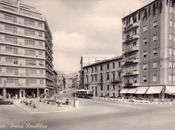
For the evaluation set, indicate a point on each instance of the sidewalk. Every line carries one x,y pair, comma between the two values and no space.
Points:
131,101
43,107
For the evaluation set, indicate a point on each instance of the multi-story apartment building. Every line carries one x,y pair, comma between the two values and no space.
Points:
103,77
26,67
149,50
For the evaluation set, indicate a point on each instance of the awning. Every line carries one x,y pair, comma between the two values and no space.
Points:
154,90
170,90
141,90
123,91
132,91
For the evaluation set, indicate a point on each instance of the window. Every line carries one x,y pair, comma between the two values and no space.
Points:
155,65
101,87
144,42
144,79
145,28
155,38
40,44
170,37
11,28
29,22
15,61
11,39
41,72
92,78
30,52
173,78
29,32
30,62
107,66
41,63
144,54
170,23
113,86
174,65
13,81
40,24
41,81
113,75
145,66
10,18
107,76
113,64
29,42
108,87
9,60
31,81
174,51
170,51
40,34
9,49
154,78
101,67
155,51
40,53
171,9
155,24
169,77
170,64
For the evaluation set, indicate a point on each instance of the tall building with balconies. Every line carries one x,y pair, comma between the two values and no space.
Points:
103,77
26,68
149,50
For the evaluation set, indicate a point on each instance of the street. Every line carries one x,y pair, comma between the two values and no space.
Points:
93,115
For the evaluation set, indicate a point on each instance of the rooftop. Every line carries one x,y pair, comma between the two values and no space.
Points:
103,61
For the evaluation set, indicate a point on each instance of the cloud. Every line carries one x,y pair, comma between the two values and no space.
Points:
85,27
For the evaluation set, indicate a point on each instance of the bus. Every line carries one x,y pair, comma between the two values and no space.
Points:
83,93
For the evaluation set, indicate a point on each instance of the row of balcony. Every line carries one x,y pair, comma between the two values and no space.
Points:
21,24
113,81
21,34
28,14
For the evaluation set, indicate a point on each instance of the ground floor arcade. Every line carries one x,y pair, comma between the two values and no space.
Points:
25,92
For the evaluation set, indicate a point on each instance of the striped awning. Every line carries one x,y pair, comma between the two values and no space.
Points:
141,90
132,90
170,90
124,91
154,90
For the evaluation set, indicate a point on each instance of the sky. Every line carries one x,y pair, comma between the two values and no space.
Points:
85,28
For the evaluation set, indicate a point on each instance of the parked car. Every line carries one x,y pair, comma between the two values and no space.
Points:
4,101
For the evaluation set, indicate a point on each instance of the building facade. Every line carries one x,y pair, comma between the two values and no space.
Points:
103,77
26,68
149,50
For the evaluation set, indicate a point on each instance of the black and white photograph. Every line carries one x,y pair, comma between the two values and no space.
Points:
87,64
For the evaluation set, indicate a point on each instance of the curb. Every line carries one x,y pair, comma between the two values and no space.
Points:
126,102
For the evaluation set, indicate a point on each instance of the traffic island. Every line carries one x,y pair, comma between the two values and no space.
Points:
35,106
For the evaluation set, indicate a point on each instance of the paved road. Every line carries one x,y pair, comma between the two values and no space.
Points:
94,115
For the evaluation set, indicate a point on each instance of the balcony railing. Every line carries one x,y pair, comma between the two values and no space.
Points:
130,84
116,80
130,61
131,73
131,38
131,49
130,27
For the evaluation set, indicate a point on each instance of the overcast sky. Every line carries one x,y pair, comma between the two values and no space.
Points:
84,27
